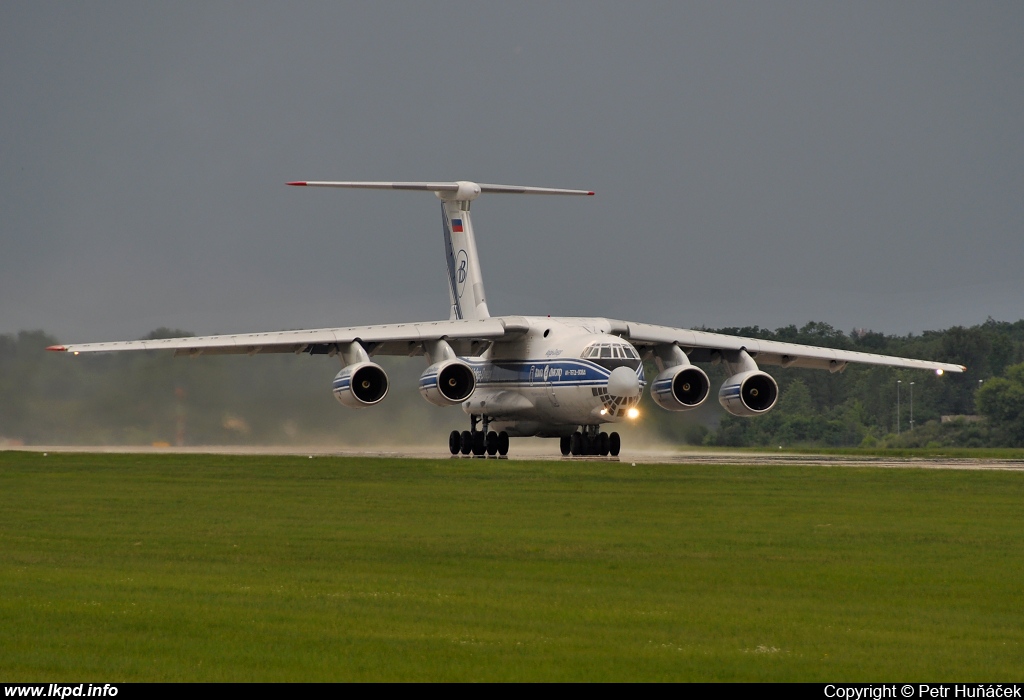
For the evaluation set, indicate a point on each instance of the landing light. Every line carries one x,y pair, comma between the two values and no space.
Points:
604,411
938,372
632,413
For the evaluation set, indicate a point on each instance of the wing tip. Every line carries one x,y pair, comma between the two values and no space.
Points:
297,184
590,194
56,348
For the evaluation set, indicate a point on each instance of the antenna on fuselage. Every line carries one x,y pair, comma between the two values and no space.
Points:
465,283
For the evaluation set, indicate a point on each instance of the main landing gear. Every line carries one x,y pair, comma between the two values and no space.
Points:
478,442
589,441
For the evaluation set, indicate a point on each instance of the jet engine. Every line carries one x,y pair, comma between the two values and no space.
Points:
448,382
680,388
361,384
749,393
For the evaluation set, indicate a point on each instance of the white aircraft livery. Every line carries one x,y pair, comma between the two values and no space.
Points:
520,376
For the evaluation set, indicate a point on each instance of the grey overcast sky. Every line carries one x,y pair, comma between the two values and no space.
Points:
858,163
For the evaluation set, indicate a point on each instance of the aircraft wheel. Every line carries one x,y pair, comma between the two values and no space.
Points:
576,444
502,443
586,445
466,442
492,443
602,444
563,444
614,444
478,444
455,442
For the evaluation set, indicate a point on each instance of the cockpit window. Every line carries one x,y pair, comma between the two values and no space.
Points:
610,351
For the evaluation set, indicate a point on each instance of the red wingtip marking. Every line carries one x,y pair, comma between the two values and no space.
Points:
297,184
57,348
590,194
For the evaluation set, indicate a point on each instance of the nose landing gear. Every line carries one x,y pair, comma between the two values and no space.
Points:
480,442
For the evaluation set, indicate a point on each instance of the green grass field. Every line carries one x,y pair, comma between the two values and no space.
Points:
170,567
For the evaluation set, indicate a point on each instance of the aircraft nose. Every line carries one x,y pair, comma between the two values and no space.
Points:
623,382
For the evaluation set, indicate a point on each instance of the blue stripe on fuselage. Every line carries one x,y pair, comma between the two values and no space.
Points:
567,372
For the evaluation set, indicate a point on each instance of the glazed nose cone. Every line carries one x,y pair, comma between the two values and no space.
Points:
623,382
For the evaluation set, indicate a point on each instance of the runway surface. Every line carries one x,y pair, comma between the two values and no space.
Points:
548,450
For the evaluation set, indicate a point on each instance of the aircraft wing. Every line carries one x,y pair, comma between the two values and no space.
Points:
467,337
701,346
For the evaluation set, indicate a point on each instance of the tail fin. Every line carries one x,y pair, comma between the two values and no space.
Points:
465,284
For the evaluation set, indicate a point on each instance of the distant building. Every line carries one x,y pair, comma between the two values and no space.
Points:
963,419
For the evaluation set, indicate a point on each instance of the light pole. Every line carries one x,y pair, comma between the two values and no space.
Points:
911,405
179,434
899,382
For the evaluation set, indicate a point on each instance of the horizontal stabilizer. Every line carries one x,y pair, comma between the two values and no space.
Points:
366,185
470,189
516,189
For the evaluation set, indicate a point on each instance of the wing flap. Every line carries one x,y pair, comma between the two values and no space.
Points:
389,339
771,352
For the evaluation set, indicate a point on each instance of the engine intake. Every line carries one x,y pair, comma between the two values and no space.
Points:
748,393
360,385
680,388
448,383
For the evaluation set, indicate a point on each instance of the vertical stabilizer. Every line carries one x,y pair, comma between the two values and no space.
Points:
465,283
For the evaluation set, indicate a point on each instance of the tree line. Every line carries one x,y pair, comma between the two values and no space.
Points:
873,406
145,398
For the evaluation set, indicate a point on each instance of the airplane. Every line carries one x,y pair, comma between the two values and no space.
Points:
526,376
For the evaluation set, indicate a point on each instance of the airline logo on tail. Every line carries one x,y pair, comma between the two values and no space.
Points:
462,261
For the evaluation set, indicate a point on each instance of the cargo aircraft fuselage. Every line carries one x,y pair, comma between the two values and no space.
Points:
524,376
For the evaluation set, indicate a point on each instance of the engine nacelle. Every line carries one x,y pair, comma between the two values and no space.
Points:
361,384
680,388
748,393
448,382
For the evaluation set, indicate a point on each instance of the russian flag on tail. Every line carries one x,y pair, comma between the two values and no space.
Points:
456,225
